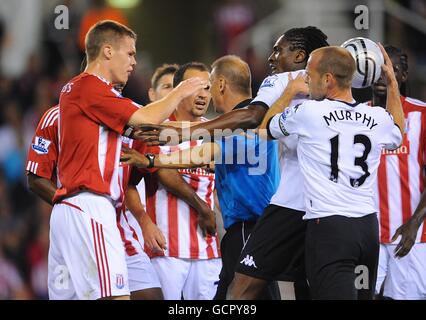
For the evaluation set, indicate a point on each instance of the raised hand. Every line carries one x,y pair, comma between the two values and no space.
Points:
154,135
190,86
132,157
298,85
387,67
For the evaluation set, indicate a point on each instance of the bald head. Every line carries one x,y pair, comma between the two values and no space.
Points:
337,61
235,71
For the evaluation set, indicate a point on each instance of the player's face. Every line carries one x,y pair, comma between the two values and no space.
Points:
123,60
282,58
379,88
164,86
316,82
197,104
215,91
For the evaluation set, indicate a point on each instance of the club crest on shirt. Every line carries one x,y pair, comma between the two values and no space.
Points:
269,82
41,145
281,123
119,281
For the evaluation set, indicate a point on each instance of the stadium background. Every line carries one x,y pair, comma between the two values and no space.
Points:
36,59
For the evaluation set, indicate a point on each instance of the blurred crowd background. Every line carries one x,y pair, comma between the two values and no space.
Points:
37,59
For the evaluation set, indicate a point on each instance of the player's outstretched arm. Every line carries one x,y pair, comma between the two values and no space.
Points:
42,187
175,184
152,235
247,118
393,100
189,158
408,231
158,111
294,87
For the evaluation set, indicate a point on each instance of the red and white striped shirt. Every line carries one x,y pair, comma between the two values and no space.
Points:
176,219
43,158
92,116
127,232
401,177
43,151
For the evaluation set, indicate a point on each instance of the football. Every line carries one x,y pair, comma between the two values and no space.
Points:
368,59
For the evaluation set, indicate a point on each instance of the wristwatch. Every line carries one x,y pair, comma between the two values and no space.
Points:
128,131
150,157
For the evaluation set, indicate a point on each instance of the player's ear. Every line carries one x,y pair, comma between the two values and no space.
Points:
329,79
107,51
404,76
222,85
151,94
301,56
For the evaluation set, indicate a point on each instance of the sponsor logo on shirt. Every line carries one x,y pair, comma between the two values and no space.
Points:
403,149
41,145
269,82
405,146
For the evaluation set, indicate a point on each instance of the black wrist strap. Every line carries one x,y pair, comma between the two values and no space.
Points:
150,157
128,130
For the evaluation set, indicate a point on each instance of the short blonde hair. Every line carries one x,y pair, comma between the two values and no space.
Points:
105,31
337,61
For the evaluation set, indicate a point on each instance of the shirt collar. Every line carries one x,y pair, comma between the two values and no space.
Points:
242,104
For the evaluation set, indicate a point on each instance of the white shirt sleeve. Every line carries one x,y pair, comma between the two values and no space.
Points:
392,137
286,123
269,92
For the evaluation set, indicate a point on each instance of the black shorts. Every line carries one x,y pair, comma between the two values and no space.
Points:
342,257
276,247
230,247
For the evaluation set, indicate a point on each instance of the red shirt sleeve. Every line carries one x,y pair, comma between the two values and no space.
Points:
104,105
43,151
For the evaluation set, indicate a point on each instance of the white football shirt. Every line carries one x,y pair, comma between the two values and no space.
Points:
339,151
290,192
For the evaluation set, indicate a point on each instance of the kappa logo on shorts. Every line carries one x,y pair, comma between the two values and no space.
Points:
41,145
248,261
119,281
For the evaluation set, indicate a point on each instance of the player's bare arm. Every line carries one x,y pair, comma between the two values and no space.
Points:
408,231
247,118
188,158
175,184
153,237
42,187
294,87
393,102
159,111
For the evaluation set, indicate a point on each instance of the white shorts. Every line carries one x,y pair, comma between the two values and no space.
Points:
141,272
86,254
194,279
405,278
